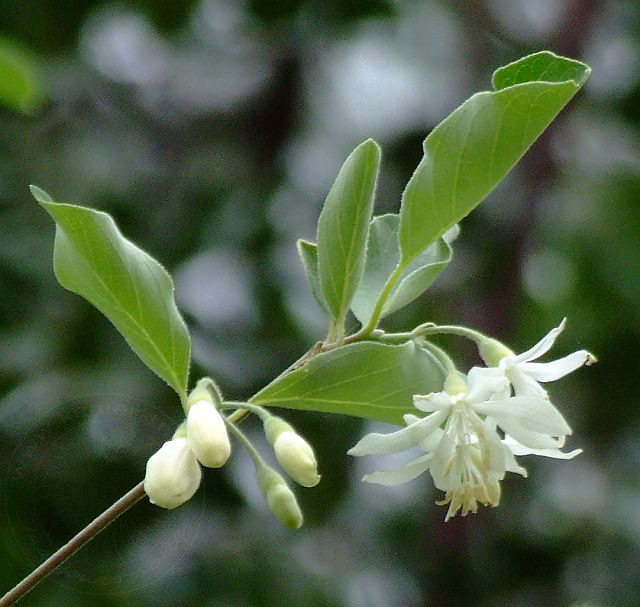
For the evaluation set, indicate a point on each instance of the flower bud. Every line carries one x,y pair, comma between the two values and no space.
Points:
207,434
297,459
280,498
294,454
172,475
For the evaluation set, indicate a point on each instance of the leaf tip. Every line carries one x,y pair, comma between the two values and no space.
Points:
40,195
372,146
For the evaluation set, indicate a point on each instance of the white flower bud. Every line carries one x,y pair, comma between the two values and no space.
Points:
280,498
297,458
173,474
207,434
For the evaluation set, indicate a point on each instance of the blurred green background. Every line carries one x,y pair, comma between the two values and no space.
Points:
212,130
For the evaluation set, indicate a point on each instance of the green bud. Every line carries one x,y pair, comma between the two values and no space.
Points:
274,426
492,351
207,390
280,498
455,383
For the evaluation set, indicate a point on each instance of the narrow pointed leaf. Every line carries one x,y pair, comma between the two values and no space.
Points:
94,260
308,252
343,228
366,379
472,150
383,255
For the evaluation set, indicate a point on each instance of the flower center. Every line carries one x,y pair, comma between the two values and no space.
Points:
466,473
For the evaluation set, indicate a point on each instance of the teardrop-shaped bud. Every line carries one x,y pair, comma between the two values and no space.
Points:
280,498
295,455
172,475
207,434
297,458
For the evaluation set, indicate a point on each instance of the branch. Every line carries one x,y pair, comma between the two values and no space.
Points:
74,544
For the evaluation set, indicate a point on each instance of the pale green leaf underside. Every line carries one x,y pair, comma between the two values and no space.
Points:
383,255
308,252
366,379
94,260
544,66
343,227
472,150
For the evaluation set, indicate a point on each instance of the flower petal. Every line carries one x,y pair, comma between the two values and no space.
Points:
436,401
542,347
534,440
511,465
432,440
556,369
380,444
523,385
517,449
495,456
529,412
441,464
485,383
398,476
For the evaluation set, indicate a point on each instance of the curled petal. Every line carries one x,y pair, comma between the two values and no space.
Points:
398,476
443,458
531,413
485,383
517,449
410,418
436,401
557,368
432,440
542,347
510,463
379,444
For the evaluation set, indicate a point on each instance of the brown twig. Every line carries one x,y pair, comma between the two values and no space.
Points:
100,523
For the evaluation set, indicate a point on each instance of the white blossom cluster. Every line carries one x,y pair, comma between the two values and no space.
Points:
479,423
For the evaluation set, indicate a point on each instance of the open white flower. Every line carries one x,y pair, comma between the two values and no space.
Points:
525,374
464,453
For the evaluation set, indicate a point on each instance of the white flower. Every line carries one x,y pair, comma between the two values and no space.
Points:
172,475
297,458
207,434
466,457
524,374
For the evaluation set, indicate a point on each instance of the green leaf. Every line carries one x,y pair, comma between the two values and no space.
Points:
544,66
21,85
308,252
383,255
343,227
472,150
365,379
94,260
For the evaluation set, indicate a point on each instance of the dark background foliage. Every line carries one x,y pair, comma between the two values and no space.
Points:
212,130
